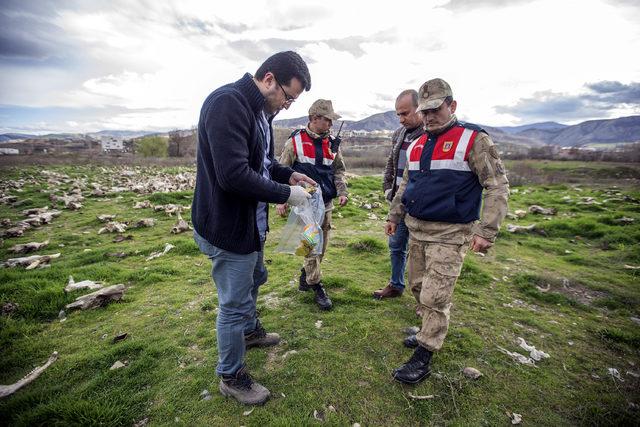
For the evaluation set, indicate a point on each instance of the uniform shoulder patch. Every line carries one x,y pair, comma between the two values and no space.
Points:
473,127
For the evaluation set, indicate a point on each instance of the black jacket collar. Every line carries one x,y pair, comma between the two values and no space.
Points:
250,91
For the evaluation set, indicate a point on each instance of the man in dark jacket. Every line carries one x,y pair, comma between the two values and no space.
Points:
411,129
237,176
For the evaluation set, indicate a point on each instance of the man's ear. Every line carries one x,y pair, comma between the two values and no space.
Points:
269,79
453,106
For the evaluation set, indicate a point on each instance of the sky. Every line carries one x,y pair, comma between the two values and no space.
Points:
85,66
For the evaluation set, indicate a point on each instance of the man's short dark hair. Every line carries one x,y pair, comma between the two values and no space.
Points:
285,66
448,100
412,92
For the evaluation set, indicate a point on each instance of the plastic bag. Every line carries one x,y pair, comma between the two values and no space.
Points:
303,233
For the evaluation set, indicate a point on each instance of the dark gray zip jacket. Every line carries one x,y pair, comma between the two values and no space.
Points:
229,181
391,169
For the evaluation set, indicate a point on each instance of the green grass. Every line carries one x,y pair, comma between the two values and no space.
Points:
568,293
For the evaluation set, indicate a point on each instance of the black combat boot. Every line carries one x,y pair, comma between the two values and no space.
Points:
416,369
321,297
411,341
303,286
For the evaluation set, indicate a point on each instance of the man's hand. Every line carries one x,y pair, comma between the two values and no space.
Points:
390,228
298,178
282,209
343,200
480,244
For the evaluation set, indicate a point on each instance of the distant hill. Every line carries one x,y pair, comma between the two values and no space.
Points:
537,126
501,137
5,137
124,134
380,121
611,131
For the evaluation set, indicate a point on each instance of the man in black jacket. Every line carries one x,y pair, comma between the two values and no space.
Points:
237,177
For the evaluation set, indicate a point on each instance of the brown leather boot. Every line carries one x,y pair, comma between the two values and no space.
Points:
387,292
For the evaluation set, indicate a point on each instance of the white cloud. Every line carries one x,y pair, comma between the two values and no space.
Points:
157,61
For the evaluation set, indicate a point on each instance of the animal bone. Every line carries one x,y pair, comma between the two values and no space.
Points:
16,231
8,199
167,248
520,213
85,284
170,209
145,222
106,217
518,357
535,209
99,298
142,205
7,390
180,226
35,211
512,228
427,397
535,354
113,227
42,218
28,247
30,262
624,220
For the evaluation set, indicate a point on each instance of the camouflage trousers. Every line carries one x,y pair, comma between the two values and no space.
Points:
312,263
433,271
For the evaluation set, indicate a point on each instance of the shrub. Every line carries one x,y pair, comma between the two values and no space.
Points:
152,146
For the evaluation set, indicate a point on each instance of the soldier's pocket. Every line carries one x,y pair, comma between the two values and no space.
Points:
449,263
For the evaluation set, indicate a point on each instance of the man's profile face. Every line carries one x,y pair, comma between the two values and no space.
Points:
435,118
280,95
406,112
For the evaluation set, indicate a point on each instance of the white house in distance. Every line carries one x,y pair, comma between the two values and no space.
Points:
112,144
9,151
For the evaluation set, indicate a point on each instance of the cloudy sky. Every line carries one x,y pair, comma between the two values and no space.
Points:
81,66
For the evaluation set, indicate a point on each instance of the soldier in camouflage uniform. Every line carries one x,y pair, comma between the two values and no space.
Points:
451,169
316,152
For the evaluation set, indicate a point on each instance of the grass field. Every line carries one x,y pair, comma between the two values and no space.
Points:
572,292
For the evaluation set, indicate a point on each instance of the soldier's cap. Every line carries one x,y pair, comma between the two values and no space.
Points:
432,94
324,108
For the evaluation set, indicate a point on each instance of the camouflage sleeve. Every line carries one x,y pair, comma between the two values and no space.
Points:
396,210
288,156
485,162
339,169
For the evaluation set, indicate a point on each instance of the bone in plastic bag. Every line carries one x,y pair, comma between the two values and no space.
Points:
302,235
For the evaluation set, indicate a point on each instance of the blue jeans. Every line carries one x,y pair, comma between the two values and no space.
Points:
398,251
237,278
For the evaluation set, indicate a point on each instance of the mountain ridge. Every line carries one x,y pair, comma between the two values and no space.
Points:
601,131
